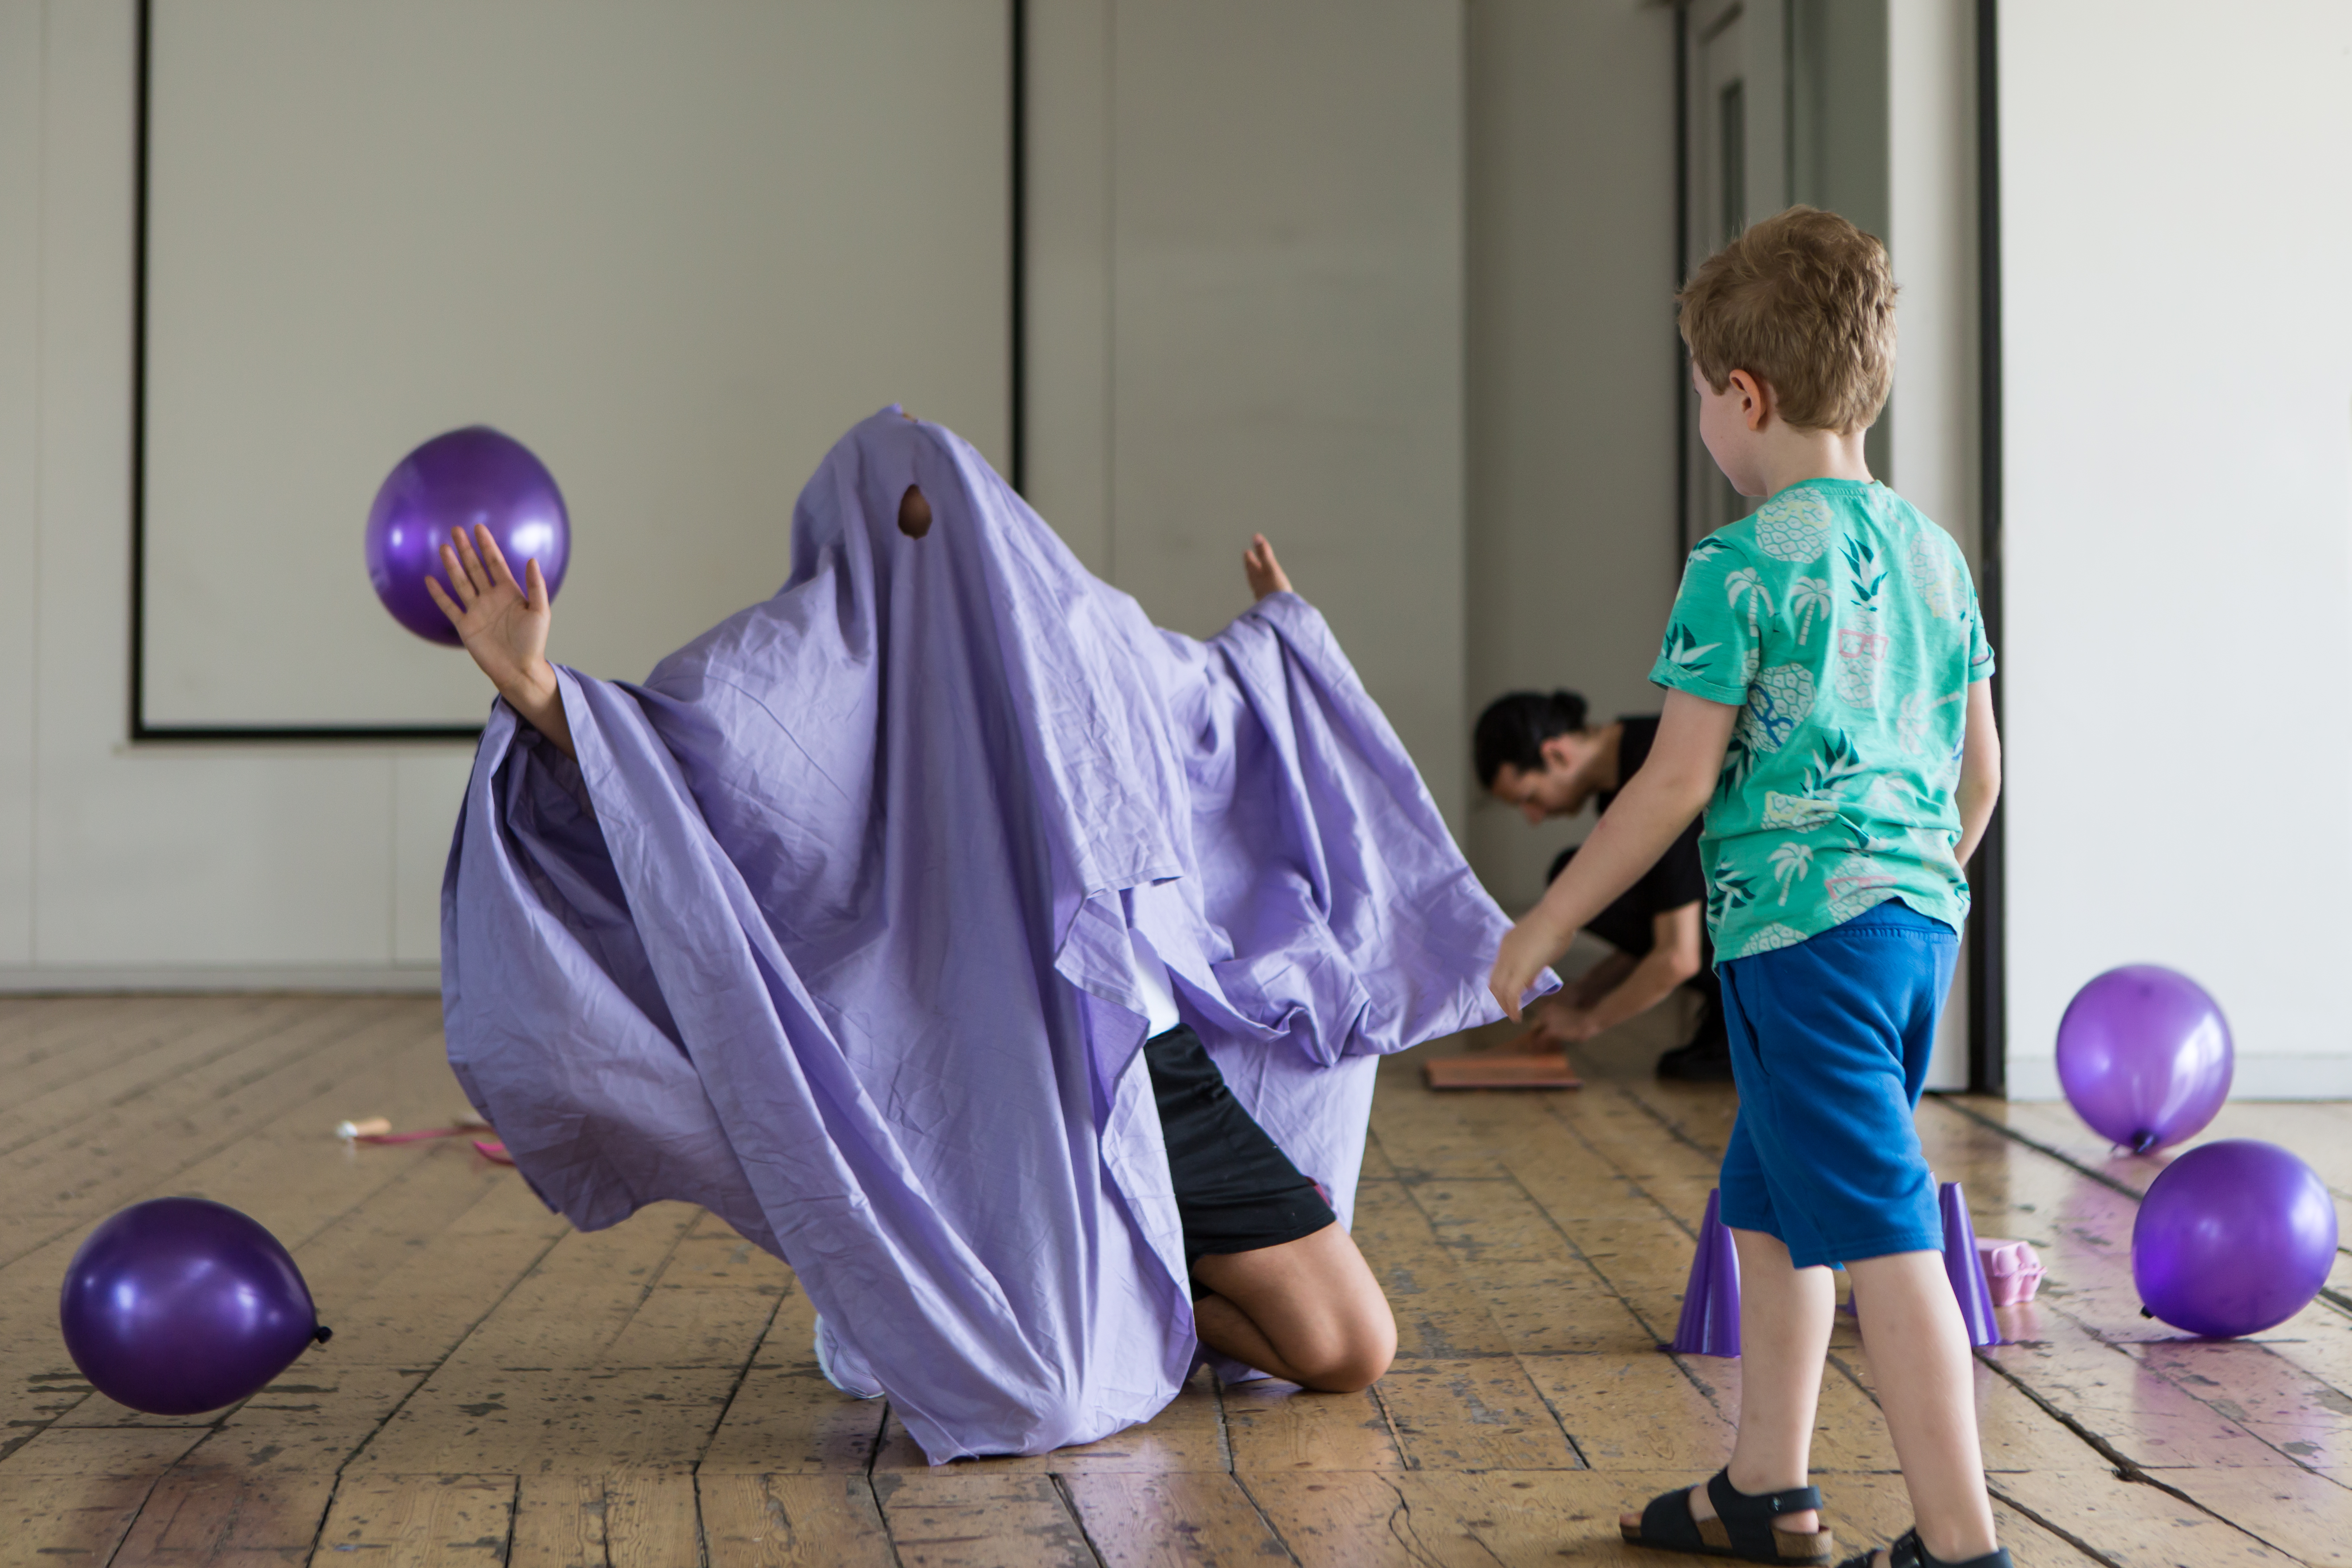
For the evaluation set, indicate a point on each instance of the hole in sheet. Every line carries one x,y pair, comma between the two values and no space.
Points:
914,513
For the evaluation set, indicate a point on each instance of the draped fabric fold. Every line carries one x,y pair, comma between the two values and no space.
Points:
831,928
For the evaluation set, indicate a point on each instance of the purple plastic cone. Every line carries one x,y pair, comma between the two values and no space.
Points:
1966,1267
1710,1320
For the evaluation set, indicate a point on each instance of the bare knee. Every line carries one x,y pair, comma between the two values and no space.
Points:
1348,1354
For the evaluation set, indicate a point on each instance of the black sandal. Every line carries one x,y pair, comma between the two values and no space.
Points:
1741,1528
1907,1553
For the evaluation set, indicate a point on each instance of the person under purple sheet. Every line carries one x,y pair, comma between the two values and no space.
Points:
942,837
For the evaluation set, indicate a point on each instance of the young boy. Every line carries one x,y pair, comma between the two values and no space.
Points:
1828,705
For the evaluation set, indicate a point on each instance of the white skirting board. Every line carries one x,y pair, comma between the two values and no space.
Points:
410,980
2257,1077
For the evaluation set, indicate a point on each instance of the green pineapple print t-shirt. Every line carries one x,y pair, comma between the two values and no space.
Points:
1845,625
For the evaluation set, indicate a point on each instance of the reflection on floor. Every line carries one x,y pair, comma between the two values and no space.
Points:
504,1388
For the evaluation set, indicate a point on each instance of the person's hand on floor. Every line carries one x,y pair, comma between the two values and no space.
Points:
1561,1023
504,626
1549,1028
1265,573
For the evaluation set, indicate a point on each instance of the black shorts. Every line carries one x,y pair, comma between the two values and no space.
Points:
1236,1191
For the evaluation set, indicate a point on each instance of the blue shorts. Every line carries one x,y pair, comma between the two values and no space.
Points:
1830,1041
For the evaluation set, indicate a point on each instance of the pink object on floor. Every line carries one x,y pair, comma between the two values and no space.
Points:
2013,1271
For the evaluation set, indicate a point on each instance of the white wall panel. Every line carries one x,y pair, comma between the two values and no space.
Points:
1573,379
1068,263
676,248
1246,300
1932,239
20,360
214,866
2179,516
152,858
429,787
1286,330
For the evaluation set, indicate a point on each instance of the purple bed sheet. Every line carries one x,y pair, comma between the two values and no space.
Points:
828,930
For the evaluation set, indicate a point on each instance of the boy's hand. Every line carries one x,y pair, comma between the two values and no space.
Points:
1657,803
1527,948
1265,573
503,625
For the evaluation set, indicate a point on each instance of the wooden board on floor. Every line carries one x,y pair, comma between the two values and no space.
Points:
1279,1428
793,1521
1542,1069
951,1519
433,1521
1172,1521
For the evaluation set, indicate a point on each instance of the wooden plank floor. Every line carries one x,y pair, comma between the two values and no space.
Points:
503,1389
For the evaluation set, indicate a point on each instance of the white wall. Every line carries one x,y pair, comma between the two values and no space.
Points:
2179,457
160,865
1574,373
1246,295
1930,441
1931,236
20,390
676,250
2179,450
1263,331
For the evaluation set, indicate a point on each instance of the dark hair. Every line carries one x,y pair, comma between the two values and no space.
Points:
1514,726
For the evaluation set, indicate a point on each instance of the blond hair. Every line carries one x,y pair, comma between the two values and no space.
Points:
1804,301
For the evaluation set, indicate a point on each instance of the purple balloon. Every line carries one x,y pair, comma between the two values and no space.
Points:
2234,1237
180,1304
2144,1056
472,476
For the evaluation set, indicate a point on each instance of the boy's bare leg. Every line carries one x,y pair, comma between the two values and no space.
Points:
1308,1312
1784,1339
1926,1385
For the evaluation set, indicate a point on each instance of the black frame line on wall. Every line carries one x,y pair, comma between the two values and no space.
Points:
1987,874
1017,238
141,731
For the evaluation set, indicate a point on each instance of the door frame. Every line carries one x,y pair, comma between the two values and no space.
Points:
1987,873
1988,1043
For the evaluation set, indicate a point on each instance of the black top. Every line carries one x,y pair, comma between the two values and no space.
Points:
1677,880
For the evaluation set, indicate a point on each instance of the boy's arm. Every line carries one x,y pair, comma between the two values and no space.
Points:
1674,957
1657,802
1979,771
503,624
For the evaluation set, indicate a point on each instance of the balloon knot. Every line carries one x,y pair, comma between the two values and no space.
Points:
2146,1312
322,1334
2142,1142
